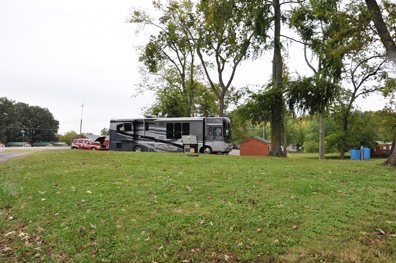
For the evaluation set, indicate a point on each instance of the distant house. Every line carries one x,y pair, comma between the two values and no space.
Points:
42,144
381,149
2,145
60,144
18,144
255,146
94,137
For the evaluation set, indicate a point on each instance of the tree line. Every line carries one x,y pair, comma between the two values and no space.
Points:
191,60
366,128
20,122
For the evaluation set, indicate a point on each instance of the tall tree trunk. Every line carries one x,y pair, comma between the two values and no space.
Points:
344,138
383,32
276,124
221,110
321,137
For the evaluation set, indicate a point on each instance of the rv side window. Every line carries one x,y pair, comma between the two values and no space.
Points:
210,133
118,145
186,129
169,130
178,132
127,126
217,131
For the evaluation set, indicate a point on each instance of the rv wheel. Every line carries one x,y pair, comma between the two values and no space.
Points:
138,149
207,150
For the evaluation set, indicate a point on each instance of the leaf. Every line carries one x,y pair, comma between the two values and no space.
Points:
89,192
259,230
37,255
276,241
93,226
93,252
147,239
381,231
295,228
40,229
43,199
10,233
161,247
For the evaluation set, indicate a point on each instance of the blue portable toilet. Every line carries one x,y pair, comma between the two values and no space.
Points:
355,154
366,153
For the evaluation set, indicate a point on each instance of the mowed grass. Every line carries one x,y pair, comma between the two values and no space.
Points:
86,206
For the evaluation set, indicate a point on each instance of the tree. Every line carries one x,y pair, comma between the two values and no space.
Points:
9,120
37,123
228,32
105,131
387,41
68,136
382,28
363,68
169,56
316,23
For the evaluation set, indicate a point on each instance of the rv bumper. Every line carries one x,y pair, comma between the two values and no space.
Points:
227,147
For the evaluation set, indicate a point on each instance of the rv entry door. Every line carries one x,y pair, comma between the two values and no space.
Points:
215,137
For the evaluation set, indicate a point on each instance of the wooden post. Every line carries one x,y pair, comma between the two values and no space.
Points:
361,152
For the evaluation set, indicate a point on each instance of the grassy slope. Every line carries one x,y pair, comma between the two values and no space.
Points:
157,207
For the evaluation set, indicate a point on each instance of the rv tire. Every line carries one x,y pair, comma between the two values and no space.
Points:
138,148
93,149
207,150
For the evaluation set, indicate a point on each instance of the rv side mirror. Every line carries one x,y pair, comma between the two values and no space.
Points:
227,132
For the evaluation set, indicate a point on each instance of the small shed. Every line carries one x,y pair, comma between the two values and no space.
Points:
255,146
18,144
2,145
381,149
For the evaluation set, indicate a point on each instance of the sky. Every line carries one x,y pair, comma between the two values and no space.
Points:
61,55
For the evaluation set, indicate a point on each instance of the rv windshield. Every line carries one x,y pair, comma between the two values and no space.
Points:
227,131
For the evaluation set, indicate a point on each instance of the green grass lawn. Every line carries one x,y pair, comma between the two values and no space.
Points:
86,206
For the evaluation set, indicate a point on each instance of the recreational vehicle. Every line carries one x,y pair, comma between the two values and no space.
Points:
203,135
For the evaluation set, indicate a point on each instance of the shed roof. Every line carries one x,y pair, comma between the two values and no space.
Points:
258,138
41,143
17,143
383,143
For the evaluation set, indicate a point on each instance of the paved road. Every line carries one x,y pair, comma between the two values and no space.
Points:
234,152
4,156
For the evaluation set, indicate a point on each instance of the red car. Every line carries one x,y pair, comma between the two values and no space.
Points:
88,144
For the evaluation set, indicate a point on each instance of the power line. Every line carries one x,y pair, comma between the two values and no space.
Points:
24,128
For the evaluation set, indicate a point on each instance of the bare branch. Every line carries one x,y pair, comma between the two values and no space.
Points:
289,2
306,59
295,40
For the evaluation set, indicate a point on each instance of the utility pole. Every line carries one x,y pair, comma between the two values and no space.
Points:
82,109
